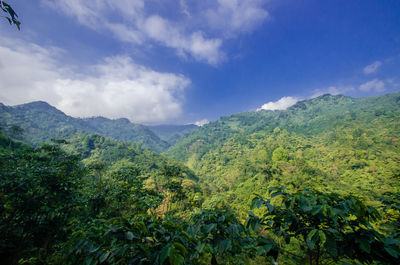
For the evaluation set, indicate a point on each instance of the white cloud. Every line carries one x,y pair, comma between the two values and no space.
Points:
373,85
236,16
184,8
195,44
202,122
281,104
116,87
197,31
372,68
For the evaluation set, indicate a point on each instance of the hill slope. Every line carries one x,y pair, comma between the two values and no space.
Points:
330,143
172,133
42,122
309,117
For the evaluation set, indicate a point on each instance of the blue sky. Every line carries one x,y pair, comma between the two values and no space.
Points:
182,61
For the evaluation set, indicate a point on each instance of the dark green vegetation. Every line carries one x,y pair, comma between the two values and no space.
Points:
88,199
11,16
42,122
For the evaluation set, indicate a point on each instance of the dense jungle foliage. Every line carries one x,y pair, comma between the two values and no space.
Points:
315,184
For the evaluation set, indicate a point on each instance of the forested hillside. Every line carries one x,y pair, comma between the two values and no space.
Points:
330,143
172,133
312,117
41,123
315,184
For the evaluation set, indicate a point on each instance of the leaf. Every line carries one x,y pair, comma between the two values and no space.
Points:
221,219
104,256
322,237
316,209
164,253
311,239
256,203
210,228
89,260
306,208
273,195
129,235
180,247
176,259
224,245
331,247
392,252
270,207
364,245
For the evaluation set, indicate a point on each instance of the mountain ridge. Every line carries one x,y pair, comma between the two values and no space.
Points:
308,117
42,122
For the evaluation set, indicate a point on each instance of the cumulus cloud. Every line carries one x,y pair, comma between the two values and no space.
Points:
281,104
202,122
375,85
372,68
196,32
115,87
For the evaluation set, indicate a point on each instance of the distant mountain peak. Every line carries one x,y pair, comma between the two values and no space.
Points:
123,120
38,103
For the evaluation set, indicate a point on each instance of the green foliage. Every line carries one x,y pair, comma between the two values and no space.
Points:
280,154
38,197
329,226
172,133
42,122
11,17
88,199
142,240
313,117
220,234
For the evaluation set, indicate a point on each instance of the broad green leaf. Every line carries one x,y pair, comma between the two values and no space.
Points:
224,245
316,209
392,252
322,237
164,253
210,227
104,256
312,238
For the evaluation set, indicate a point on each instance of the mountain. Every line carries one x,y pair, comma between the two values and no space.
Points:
42,122
308,117
316,169
172,133
329,143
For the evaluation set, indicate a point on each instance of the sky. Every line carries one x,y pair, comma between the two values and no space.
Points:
190,61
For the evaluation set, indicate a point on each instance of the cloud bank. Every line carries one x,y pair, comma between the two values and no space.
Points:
115,87
281,104
198,31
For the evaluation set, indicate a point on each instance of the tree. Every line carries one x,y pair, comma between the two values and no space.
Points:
329,226
16,132
11,15
38,191
221,236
